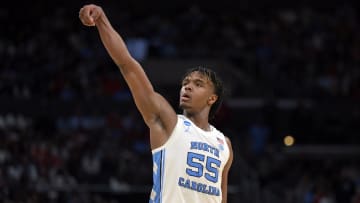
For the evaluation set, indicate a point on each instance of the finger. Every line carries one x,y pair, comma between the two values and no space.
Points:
84,15
89,12
81,14
94,14
87,23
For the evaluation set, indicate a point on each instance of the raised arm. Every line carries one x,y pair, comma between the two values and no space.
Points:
155,110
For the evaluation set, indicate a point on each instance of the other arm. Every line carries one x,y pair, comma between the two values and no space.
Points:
225,174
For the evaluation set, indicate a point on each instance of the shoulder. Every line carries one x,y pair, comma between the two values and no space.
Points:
221,134
228,141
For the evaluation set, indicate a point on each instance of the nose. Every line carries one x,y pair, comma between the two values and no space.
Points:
188,87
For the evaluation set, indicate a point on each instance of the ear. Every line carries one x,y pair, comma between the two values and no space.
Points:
212,99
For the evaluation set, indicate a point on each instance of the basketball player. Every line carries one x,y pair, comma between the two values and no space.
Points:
191,158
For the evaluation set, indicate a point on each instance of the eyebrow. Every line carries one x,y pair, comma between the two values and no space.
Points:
187,79
199,80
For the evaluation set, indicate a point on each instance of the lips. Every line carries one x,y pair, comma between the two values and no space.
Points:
185,97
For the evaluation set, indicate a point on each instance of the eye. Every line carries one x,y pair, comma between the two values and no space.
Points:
199,84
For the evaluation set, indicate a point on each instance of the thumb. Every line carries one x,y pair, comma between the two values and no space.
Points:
94,15
91,20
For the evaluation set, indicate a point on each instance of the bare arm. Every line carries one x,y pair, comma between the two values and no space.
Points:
155,110
225,174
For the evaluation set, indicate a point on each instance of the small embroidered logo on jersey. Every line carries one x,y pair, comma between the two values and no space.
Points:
187,126
221,143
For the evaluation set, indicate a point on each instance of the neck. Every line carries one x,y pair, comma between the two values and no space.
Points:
200,120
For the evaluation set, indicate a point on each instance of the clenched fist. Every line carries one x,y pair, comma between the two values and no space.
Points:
89,14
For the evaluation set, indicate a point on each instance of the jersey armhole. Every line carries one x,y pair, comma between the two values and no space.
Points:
171,137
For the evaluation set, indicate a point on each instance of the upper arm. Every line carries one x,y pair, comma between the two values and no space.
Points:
224,183
153,107
157,113
146,99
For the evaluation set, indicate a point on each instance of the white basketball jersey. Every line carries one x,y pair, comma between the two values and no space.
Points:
188,167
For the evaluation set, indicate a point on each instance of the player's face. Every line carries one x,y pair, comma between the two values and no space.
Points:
196,92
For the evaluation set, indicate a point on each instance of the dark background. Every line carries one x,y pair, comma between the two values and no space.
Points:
69,130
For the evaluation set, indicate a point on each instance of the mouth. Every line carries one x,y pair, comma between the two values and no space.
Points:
185,97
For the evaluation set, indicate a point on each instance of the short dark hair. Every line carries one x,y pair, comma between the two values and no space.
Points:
218,86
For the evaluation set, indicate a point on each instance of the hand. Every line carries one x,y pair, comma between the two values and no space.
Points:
89,14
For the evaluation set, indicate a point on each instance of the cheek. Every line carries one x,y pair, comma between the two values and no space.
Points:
202,97
181,90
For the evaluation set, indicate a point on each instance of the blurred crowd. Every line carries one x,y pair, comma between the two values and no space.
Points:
75,152
291,52
299,52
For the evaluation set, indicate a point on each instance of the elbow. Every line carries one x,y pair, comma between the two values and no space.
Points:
124,63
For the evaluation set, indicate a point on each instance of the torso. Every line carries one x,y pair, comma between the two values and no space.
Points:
188,167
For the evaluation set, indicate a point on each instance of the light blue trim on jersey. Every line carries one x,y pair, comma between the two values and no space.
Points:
158,173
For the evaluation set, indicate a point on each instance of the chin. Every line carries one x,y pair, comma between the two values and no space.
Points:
183,106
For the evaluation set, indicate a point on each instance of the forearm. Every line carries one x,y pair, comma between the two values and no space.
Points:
113,42
130,69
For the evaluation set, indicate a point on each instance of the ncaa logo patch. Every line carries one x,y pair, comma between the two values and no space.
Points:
187,125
